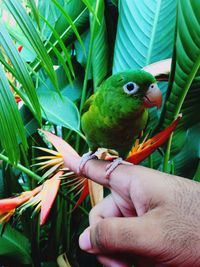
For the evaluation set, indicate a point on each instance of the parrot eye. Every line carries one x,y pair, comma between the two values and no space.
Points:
152,86
130,88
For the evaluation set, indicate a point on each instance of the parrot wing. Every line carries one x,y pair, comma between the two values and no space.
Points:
88,103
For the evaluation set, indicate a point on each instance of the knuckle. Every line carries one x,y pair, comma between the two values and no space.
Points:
101,235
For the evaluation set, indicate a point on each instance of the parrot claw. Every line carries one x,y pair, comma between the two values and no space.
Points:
113,165
84,159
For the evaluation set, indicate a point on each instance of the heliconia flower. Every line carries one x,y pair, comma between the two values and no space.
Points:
55,161
140,151
48,195
51,162
9,205
44,199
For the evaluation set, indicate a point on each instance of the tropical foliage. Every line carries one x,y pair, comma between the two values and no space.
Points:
54,54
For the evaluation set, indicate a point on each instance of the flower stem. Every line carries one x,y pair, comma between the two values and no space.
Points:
89,60
21,168
167,154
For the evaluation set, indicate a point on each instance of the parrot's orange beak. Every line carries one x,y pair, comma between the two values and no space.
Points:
153,97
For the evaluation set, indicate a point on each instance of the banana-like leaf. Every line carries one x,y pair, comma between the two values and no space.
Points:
11,125
70,21
21,72
99,40
145,33
27,27
49,11
14,247
60,110
186,61
97,36
183,94
73,92
62,46
78,13
186,161
79,16
35,12
27,53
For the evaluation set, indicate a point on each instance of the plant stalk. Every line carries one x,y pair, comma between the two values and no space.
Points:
22,168
83,96
167,154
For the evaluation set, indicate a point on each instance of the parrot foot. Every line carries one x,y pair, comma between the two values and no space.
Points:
113,165
84,159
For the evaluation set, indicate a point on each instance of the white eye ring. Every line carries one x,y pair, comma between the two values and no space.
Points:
130,88
153,86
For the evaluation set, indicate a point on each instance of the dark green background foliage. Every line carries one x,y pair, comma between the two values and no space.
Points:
69,48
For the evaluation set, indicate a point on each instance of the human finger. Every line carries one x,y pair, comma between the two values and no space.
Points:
131,182
111,206
104,209
139,235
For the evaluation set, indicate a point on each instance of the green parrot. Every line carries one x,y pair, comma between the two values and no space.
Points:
117,113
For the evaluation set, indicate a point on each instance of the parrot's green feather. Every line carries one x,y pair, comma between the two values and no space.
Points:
112,118
88,103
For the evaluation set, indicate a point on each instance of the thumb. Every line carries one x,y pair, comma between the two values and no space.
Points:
137,235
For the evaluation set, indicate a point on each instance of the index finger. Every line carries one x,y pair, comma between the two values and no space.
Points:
120,178
95,170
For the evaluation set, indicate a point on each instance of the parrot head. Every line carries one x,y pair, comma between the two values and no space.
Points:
138,85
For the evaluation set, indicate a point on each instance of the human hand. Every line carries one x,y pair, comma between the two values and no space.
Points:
149,219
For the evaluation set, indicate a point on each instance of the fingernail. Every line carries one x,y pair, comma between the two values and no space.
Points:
84,240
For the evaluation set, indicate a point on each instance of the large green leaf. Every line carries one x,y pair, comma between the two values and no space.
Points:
59,110
78,14
81,57
48,10
11,125
69,20
62,58
186,60
145,33
186,161
27,53
27,27
21,72
99,45
97,34
183,94
72,91
96,47
35,12
14,247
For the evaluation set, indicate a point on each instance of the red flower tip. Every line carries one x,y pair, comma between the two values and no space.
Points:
8,205
141,151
